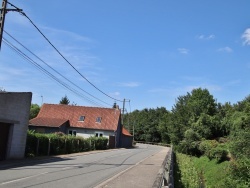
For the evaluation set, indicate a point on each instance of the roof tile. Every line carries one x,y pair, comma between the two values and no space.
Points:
56,112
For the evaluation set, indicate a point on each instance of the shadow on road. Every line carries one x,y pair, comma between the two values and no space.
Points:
8,164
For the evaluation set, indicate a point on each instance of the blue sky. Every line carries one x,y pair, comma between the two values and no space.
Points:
148,52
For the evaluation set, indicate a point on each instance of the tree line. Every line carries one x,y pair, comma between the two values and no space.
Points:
197,125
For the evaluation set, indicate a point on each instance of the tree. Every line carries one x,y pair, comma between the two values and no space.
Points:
34,110
64,100
193,114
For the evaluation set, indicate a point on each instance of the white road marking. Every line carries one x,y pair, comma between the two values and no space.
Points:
20,179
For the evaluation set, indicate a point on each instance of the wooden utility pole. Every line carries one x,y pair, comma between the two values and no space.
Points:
123,108
2,18
4,11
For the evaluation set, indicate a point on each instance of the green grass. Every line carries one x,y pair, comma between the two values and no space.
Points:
215,174
191,171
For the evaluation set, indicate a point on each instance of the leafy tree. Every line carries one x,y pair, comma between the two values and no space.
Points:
193,114
34,110
64,100
146,124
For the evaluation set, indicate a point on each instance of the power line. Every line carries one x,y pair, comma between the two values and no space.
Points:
54,69
66,59
24,56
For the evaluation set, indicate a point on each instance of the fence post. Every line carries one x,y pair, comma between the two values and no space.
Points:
49,147
65,146
37,147
78,145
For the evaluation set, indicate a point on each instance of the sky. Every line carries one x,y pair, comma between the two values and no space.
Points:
146,52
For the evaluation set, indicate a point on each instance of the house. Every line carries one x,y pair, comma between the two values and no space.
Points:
14,117
82,121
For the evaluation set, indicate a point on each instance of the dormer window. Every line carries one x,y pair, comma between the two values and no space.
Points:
98,119
81,118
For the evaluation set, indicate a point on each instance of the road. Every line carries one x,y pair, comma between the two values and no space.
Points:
79,170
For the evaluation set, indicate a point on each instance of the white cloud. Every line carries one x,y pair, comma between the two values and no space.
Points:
116,94
129,84
204,37
246,37
183,50
225,49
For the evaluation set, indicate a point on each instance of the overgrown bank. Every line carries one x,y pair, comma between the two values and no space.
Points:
198,126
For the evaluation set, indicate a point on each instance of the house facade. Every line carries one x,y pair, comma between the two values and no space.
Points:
14,117
81,121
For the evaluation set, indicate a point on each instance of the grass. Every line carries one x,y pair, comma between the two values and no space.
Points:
193,172
214,174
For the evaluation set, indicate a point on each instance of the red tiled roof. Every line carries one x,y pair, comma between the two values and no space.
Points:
47,122
125,132
50,112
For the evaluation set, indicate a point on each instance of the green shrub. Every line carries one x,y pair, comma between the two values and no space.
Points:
219,153
185,174
206,146
38,144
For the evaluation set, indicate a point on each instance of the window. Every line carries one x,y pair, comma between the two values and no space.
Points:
98,134
98,120
81,118
72,132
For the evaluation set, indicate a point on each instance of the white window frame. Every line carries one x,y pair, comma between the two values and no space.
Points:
81,118
98,119
99,134
73,132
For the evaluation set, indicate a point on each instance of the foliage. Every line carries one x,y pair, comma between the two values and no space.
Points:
240,151
198,126
185,173
34,110
213,174
54,144
146,124
64,100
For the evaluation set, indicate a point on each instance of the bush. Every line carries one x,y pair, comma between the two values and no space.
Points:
219,153
185,174
55,144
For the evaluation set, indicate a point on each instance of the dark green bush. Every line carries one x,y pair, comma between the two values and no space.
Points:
55,144
219,153
206,146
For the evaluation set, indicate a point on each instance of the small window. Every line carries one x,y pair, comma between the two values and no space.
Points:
98,119
81,118
99,134
72,132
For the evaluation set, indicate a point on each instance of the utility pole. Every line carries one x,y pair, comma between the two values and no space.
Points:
4,11
123,108
2,18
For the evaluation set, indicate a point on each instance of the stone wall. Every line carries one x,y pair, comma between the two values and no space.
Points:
14,110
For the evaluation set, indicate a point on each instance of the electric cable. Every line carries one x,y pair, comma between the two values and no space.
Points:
66,59
23,55
54,69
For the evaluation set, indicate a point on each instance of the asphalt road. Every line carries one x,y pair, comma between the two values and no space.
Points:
80,170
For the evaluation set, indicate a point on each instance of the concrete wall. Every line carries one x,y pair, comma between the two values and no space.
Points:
14,110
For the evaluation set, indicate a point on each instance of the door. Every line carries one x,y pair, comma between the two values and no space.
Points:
4,135
111,142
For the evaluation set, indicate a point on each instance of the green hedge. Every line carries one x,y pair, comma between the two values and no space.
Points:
55,144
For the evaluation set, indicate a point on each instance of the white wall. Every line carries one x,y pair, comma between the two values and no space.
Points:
86,133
